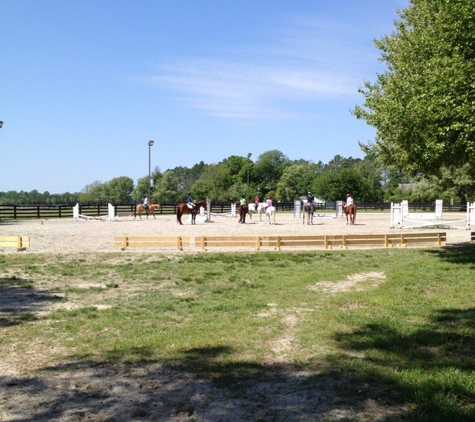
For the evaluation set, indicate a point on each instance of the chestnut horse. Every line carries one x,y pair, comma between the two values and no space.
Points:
350,211
150,210
183,208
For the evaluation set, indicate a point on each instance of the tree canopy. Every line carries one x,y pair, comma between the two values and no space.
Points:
423,106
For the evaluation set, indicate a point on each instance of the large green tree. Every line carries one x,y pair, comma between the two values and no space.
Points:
423,105
269,168
119,189
167,188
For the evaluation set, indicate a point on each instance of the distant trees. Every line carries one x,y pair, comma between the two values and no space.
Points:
226,181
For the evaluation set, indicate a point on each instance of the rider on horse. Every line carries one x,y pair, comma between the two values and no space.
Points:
349,200
268,203
310,198
190,202
146,201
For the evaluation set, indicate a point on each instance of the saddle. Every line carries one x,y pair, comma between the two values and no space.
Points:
190,206
145,206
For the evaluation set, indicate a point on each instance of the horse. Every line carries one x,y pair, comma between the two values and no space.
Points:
251,209
183,208
150,210
243,210
308,211
350,212
261,209
270,214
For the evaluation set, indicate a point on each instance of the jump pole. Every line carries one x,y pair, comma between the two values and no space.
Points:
110,214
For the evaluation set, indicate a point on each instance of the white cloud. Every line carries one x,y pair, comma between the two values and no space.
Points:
308,62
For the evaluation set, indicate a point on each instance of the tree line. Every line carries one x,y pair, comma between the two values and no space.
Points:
272,174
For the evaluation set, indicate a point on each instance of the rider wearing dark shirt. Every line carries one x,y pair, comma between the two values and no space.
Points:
189,201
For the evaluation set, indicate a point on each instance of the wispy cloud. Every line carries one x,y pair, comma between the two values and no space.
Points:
306,63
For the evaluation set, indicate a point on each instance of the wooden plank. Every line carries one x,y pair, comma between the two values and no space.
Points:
20,243
151,241
277,242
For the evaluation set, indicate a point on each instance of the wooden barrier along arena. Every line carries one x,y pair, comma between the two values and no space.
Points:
18,242
178,242
278,242
326,241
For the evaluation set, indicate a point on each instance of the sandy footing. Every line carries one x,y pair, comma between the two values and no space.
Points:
68,236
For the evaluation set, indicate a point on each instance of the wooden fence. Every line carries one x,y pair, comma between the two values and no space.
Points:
278,242
177,242
25,212
20,243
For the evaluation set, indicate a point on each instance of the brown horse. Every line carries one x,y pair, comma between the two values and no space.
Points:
243,210
350,211
183,208
150,210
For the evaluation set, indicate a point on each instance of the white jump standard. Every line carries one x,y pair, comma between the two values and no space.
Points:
109,217
400,214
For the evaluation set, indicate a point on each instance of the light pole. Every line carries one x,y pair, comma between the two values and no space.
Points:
248,156
150,143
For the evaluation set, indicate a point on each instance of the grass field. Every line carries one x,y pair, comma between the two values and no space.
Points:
393,326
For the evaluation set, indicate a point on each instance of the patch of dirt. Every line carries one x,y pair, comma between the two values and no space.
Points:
359,282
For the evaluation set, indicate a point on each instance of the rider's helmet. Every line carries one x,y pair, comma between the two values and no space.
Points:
347,195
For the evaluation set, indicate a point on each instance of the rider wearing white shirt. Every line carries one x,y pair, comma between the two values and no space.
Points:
146,201
349,200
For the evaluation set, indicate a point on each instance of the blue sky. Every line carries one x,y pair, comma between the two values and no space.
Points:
86,84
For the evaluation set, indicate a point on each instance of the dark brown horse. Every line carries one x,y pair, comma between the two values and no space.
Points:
243,210
308,211
139,209
183,208
350,212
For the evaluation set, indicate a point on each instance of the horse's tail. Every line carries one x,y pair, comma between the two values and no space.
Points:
178,216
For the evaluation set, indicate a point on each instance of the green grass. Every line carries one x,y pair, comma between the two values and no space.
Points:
407,331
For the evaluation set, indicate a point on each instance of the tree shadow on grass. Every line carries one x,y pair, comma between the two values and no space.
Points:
201,384
433,366
459,254
20,301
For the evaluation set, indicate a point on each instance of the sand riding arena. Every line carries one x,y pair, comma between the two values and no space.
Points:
69,236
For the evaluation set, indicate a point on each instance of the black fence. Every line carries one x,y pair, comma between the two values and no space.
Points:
25,212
